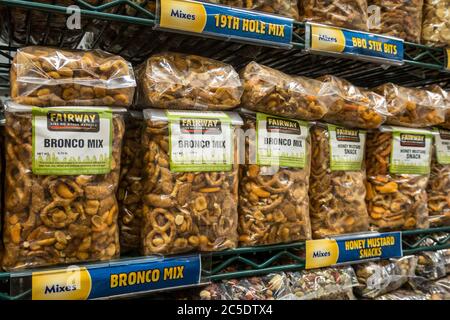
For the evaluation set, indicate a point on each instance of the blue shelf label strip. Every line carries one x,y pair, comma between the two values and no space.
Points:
338,41
116,278
224,21
353,249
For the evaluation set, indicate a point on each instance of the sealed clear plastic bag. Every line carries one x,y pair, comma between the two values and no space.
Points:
351,14
273,196
352,106
189,196
273,92
287,8
436,23
51,218
337,191
401,19
446,96
378,278
412,107
322,284
438,188
180,81
130,184
396,183
42,76
431,265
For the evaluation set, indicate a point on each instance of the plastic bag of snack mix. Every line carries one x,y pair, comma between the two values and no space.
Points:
287,8
352,106
445,94
42,76
412,107
431,265
436,23
351,14
403,294
335,283
398,164
378,278
190,181
438,188
401,19
130,184
180,81
62,174
273,92
273,196
337,191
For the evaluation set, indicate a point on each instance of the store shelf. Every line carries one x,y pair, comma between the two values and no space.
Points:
126,28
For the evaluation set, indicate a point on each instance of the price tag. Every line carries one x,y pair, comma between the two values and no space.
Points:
353,249
119,278
357,44
225,22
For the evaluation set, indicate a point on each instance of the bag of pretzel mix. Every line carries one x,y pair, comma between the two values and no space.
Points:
273,193
398,163
62,172
337,191
190,181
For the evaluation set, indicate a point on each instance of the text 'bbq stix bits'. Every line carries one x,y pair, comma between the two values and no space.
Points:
130,183
180,81
42,76
413,107
351,14
62,171
438,188
273,196
273,92
352,106
398,168
337,190
401,19
190,181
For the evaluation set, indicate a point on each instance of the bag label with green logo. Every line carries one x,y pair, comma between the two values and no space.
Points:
411,152
200,141
67,142
346,148
442,144
280,141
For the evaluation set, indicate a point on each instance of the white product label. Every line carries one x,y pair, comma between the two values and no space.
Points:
281,141
442,144
71,142
200,142
346,148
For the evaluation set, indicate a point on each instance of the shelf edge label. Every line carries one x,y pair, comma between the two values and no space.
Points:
116,278
225,22
366,46
353,249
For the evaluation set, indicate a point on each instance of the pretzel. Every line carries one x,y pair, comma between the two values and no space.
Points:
287,8
271,91
179,81
436,23
394,201
352,106
184,211
411,107
350,14
57,219
401,19
273,208
378,278
43,76
337,203
130,186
